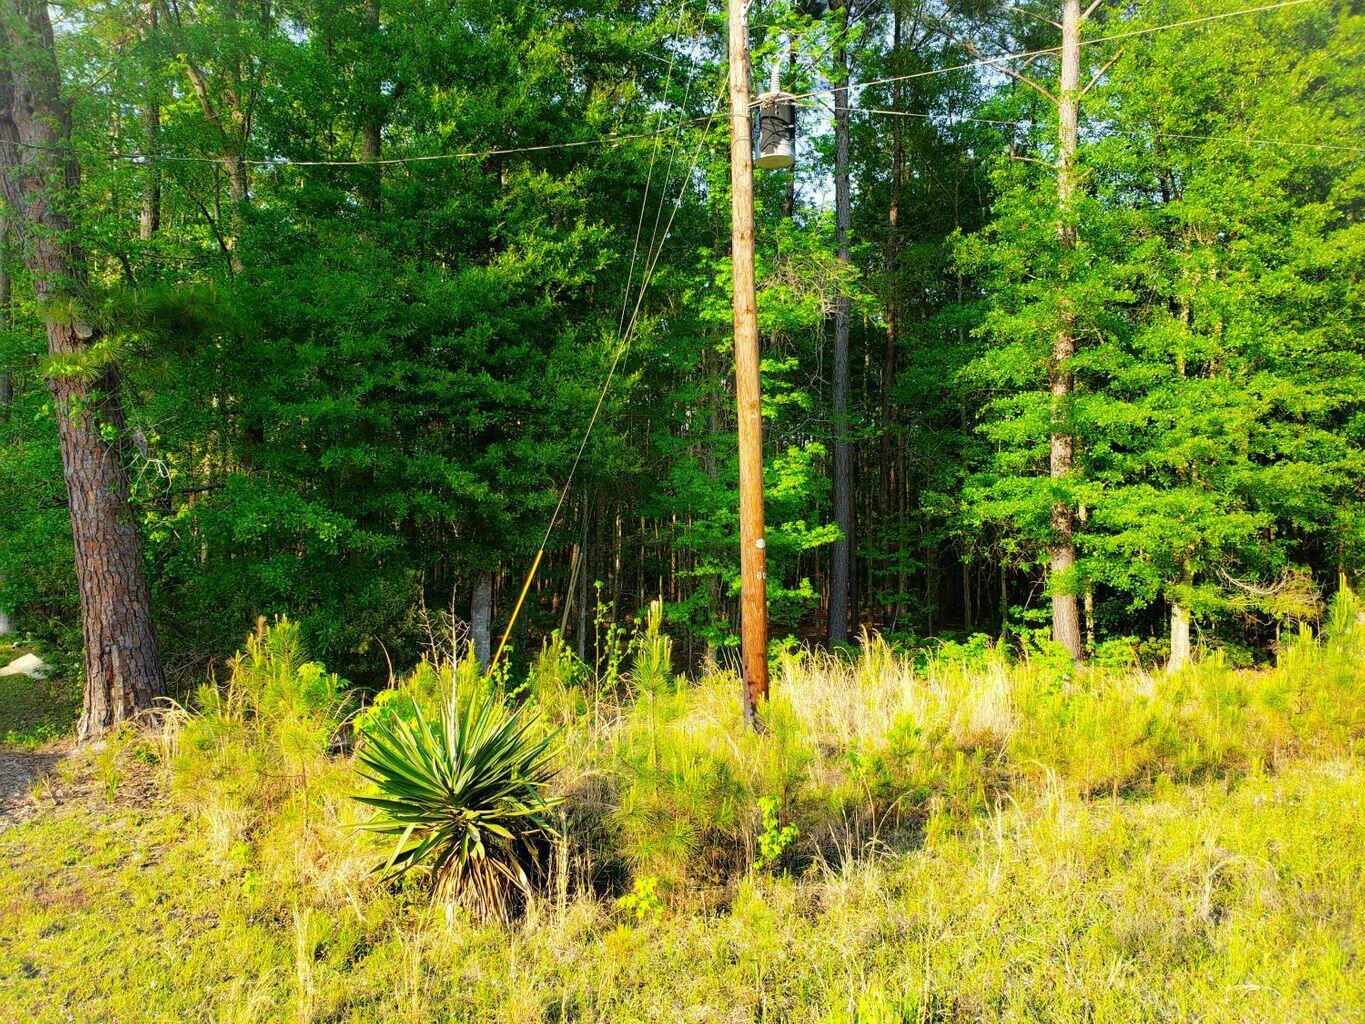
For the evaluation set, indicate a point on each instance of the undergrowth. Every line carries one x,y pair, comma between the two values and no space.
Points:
957,835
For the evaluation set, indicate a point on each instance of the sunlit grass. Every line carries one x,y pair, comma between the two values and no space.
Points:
971,839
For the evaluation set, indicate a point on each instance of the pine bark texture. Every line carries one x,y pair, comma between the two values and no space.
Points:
1066,620
841,555
123,672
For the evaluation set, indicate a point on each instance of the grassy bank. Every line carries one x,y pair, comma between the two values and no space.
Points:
951,838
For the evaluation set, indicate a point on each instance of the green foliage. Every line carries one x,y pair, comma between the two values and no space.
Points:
642,903
245,755
652,665
690,774
776,838
465,797
353,392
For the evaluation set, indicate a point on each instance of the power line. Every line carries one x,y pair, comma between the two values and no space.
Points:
983,62
612,138
1048,50
1247,140
649,178
1193,21
618,137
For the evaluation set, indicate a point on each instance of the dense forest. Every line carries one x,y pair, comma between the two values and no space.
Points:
814,512
1060,315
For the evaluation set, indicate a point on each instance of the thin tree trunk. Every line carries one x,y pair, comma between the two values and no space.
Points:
841,553
6,382
714,600
1066,623
581,627
150,220
1088,595
6,287
234,130
789,200
1180,630
123,672
966,595
481,619
885,475
571,591
372,123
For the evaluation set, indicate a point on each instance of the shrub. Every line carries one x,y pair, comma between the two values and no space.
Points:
246,749
556,679
466,799
690,774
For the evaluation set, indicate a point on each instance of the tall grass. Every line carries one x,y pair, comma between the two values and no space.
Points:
962,834
862,754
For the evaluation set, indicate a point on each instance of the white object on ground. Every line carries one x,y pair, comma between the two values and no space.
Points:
27,665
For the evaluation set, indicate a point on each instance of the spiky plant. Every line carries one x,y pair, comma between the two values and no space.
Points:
466,798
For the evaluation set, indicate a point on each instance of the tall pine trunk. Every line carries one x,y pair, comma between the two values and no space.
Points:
886,478
122,663
842,552
1066,620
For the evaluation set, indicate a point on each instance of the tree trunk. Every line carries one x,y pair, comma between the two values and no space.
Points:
150,220
1180,626
1088,595
372,122
887,479
966,595
841,553
1180,638
122,663
233,121
1066,622
581,629
789,200
481,619
575,570
6,383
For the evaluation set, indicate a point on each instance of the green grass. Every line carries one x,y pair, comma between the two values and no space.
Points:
966,839
34,711
1214,903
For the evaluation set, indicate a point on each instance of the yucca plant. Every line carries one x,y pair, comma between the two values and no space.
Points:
467,799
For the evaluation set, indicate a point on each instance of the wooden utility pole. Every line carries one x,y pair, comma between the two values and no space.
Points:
752,556
1066,621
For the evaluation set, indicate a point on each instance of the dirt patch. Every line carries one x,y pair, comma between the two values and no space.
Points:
20,772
